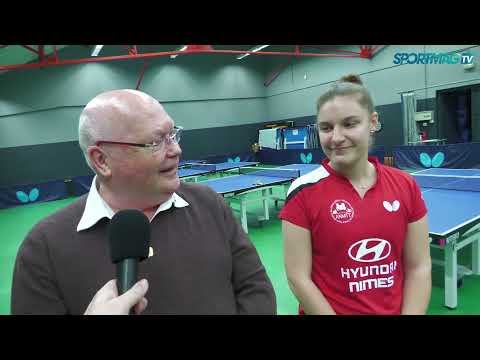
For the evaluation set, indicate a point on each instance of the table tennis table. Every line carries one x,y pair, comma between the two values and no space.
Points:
184,163
428,142
452,197
235,188
194,171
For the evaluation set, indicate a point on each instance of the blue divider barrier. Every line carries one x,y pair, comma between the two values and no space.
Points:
81,184
33,193
59,189
235,157
418,157
304,156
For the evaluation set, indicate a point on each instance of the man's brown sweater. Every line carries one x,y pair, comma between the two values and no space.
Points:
203,262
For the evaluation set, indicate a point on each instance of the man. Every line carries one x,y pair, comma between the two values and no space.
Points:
201,261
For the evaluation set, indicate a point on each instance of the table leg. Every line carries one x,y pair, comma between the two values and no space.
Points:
450,276
243,212
266,213
476,255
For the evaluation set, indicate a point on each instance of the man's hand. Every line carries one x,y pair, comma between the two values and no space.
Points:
107,302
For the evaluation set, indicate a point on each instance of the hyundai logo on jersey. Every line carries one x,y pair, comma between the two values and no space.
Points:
370,250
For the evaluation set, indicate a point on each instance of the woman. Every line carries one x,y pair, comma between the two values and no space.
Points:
355,231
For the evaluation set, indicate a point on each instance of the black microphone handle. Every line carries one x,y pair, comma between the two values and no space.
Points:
127,276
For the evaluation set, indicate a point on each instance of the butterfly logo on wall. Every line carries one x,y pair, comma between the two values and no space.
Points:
306,159
31,197
435,161
236,160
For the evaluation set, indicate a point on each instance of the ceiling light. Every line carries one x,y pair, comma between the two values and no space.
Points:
97,49
183,48
254,49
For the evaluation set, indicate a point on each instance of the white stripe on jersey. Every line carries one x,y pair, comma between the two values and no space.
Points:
310,178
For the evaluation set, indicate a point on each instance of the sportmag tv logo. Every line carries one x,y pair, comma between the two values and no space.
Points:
433,58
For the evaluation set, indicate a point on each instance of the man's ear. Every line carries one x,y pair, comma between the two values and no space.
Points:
98,159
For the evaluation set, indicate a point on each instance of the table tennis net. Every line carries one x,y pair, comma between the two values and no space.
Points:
204,167
280,173
185,163
448,182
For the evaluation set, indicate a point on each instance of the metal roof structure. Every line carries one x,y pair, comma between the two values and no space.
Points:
41,56
21,57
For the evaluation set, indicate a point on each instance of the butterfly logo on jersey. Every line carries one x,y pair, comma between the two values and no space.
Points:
394,206
342,211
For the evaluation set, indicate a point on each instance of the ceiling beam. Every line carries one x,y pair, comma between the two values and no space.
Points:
191,49
30,49
41,53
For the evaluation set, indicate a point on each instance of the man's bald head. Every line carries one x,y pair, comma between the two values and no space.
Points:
120,102
113,113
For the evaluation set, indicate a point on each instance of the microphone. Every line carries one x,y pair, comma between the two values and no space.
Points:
129,238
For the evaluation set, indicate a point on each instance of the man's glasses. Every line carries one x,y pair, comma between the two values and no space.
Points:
172,137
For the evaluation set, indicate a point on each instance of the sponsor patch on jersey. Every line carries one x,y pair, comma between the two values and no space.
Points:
342,211
391,207
370,250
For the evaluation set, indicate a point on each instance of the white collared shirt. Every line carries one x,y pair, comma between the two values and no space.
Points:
96,208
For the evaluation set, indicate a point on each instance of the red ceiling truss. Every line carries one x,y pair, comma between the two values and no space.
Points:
365,51
132,53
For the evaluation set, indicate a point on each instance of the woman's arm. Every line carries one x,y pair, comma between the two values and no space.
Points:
418,269
298,264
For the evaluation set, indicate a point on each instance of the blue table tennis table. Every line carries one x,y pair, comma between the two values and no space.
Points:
195,170
452,197
184,163
235,188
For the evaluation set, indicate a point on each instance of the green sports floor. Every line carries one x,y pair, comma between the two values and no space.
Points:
266,236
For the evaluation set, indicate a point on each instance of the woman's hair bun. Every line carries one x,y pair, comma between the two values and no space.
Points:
352,78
